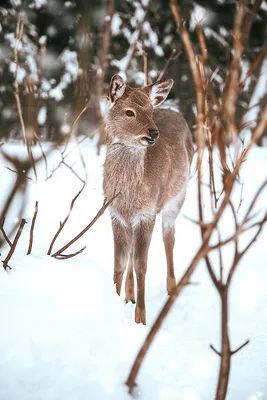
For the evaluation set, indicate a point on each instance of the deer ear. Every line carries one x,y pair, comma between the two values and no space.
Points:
159,91
116,88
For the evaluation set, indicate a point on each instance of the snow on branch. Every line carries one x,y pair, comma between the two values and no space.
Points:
137,22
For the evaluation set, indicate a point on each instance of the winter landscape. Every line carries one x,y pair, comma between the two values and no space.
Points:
65,333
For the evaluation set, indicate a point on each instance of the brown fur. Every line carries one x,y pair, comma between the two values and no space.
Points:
147,177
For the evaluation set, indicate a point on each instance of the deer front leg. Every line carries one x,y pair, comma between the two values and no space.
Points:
129,283
141,242
122,242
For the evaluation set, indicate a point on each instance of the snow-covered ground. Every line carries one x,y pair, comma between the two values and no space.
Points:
65,334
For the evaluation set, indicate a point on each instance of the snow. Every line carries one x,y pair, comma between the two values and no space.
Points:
33,68
65,129
57,92
66,334
16,3
70,59
19,72
42,115
201,16
116,25
38,4
212,33
43,40
14,43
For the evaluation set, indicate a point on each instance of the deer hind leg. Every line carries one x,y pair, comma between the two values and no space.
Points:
169,215
141,241
122,242
129,282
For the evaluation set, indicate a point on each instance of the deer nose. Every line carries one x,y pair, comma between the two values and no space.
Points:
153,133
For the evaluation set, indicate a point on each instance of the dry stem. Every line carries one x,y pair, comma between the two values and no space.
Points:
14,244
62,224
174,56
58,254
32,228
4,232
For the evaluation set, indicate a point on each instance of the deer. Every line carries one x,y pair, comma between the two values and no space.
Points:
148,159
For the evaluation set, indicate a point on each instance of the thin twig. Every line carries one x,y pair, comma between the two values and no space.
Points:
240,347
66,256
32,228
215,351
16,172
74,172
19,35
174,56
42,151
4,232
61,226
144,55
102,69
14,244
106,203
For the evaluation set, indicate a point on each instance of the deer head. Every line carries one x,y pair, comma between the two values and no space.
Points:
130,115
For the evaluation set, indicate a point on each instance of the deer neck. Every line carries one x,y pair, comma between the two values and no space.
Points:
125,166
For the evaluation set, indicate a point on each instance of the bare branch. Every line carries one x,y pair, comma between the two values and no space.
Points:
174,56
62,224
19,35
42,151
215,351
144,55
4,233
254,66
32,228
240,347
74,172
14,244
106,203
66,256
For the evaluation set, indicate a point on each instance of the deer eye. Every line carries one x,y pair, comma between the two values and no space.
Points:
129,113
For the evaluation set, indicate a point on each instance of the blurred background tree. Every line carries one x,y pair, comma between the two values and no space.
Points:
62,47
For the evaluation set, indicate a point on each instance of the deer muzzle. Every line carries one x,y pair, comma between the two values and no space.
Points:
150,140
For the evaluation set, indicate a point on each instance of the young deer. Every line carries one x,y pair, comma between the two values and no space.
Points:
148,160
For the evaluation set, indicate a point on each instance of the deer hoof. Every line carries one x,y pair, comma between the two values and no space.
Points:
129,294
140,315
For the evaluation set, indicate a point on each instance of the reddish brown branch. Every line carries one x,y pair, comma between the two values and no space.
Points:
4,233
215,351
42,151
254,66
144,55
202,43
32,228
13,246
174,56
62,224
240,347
101,72
20,185
19,36
106,203
66,256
